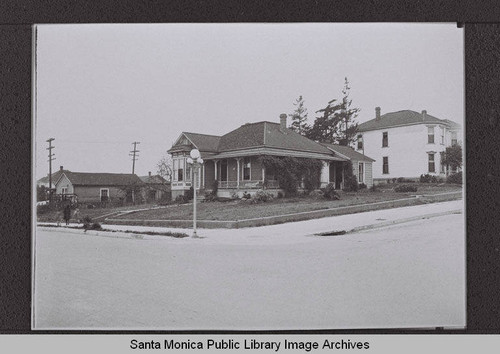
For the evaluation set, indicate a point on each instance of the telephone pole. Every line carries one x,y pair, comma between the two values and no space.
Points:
134,156
51,158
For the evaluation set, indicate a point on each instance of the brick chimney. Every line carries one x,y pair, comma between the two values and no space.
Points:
149,174
283,122
377,113
424,115
60,168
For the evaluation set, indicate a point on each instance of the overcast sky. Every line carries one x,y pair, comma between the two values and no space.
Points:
101,87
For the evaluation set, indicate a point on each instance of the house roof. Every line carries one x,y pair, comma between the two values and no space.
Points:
406,117
348,152
153,179
267,134
102,179
55,177
204,142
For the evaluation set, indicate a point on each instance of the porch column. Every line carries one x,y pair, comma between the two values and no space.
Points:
238,173
215,165
203,175
263,175
325,173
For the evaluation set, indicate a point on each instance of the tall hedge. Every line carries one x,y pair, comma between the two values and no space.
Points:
290,171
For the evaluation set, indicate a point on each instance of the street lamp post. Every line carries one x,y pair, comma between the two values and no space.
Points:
196,161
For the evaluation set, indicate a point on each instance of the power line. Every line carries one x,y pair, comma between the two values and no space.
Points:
133,154
51,158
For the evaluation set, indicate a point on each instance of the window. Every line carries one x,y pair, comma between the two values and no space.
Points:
441,159
104,194
246,169
432,165
360,142
178,168
175,167
442,136
385,165
64,190
430,135
385,139
188,172
361,172
453,138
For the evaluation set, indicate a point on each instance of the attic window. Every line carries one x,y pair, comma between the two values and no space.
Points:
360,142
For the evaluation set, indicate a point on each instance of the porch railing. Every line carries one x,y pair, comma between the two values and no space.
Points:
252,184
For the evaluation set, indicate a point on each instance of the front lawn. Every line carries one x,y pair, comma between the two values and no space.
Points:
240,210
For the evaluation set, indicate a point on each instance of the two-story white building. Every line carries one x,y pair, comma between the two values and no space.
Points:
407,144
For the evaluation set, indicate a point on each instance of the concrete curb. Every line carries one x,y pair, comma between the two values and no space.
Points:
388,223
280,219
107,233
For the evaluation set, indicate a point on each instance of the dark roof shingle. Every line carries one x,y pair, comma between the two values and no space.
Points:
393,119
102,179
348,152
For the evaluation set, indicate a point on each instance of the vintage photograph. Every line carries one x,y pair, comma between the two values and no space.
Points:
248,176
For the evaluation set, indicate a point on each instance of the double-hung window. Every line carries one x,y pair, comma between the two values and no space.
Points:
361,172
432,164
430,135
453,138
442,136
385,165
360,142
385,139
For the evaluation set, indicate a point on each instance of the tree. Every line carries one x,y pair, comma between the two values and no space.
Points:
299,117
164,167
337,122
453,157
349,114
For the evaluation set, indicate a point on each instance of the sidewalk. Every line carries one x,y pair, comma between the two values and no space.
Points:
299,229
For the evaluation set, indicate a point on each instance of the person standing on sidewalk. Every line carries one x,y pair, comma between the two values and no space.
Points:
67,214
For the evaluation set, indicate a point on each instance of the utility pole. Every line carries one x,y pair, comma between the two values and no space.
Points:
51,158
134,156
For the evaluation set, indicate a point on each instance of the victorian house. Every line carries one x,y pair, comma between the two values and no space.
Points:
233,159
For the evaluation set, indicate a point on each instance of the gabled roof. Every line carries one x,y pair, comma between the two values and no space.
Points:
267,134
400,118
55,177
348,152
204,142
153,179
102,179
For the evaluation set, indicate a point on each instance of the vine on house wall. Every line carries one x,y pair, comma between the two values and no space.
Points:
291,171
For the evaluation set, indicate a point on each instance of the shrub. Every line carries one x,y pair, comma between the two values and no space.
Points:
317,194
362,186
190,194
246,195
88,224
427,178
210,197
262,196
215,187
374,188
455,178
181,199
42,209
350,180
280,194
329,192
96,226
405,188
235,195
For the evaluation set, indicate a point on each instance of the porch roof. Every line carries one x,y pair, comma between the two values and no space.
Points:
348,152
260,150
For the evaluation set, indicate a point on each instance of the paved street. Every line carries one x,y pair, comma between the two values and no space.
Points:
408,275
